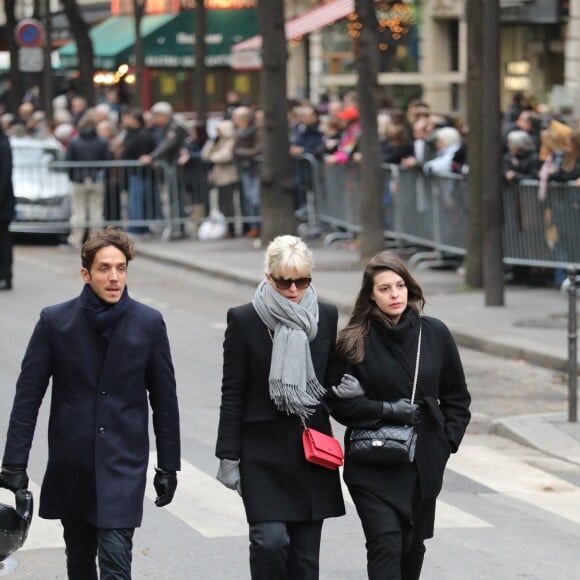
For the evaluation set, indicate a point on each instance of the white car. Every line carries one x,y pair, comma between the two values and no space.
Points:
42,192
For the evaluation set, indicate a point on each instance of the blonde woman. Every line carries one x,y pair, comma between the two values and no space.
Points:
276,351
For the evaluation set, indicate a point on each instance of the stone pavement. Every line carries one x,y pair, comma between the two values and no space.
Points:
532,325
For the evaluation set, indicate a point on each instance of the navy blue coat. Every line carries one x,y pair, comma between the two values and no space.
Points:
98,443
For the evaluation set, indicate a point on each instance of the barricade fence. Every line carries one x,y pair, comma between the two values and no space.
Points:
57,196
425,211
432,212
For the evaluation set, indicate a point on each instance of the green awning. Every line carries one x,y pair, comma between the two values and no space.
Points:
168,39
111,38
173,44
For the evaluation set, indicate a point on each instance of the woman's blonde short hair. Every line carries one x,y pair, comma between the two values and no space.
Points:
288,254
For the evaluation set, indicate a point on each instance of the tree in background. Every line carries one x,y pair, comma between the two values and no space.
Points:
80,31
199,89
277,186
138,13
15,76
474,256
367,66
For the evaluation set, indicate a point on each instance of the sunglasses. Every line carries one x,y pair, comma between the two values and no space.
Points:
285,283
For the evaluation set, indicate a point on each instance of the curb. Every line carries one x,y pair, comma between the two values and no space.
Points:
540,432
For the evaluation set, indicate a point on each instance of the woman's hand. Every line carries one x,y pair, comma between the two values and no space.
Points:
402,412
229,474
349,388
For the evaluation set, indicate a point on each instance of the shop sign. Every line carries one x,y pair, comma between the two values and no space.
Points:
221,4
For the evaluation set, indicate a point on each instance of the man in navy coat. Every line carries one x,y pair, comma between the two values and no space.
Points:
107,355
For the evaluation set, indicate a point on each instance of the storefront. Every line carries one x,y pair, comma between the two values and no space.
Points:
169,54
322,47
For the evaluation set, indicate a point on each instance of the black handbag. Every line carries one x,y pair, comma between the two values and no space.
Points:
387,444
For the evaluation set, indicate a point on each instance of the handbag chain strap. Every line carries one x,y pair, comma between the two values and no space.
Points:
417,364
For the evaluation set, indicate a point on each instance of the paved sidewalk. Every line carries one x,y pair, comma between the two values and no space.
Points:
532,325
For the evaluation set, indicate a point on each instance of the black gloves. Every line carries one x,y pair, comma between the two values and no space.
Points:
14,477
165,483
402,412
229,474
349,388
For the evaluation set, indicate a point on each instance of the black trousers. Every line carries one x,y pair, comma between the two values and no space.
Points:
85,542
5,251
386,559
285,550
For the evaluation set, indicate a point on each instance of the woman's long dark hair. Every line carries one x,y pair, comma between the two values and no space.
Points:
350,344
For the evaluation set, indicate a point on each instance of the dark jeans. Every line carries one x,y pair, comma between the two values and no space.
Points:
84,542
285,551
5,252
387,561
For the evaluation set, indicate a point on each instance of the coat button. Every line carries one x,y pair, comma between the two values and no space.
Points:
101,429
103,392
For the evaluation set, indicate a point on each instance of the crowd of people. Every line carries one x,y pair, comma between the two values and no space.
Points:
220,170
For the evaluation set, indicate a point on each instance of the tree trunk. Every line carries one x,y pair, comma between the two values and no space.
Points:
474,258
85,53
199,92
371,202
277,186
15,76
138,11
492,185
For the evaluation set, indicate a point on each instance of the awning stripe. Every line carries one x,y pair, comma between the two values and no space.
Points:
305,23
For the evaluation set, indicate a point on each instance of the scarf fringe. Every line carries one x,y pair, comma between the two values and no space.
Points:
293,400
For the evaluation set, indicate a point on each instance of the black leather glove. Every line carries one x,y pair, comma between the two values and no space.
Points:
349,388
14,477
165,483
402,412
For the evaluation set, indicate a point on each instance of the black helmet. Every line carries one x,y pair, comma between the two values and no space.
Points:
14,523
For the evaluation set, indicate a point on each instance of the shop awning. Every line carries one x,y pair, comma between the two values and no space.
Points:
246,54
168,39
111,38
173,44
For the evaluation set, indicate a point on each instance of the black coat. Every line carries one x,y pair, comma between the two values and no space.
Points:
87,146
6,189
386,374
98,443
278,484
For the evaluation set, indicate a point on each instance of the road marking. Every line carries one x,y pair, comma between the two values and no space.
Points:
43,533
203,503
446,515
512,477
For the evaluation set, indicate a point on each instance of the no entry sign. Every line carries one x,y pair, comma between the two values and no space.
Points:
29,32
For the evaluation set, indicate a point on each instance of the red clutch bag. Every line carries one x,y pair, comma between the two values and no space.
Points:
322,449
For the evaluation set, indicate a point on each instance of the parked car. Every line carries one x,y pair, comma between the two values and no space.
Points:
42,191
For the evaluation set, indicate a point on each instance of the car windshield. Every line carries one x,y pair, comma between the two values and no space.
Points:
33,156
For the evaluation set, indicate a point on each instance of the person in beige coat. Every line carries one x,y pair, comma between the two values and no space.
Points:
224,173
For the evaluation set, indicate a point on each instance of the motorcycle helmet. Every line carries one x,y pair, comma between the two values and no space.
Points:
15,523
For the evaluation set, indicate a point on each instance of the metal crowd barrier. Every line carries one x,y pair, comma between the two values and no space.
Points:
431,212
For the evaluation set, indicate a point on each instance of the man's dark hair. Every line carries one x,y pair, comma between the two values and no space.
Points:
107,237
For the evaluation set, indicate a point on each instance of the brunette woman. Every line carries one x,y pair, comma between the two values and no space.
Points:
276,351
378,352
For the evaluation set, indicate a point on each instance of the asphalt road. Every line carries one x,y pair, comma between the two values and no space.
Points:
506,511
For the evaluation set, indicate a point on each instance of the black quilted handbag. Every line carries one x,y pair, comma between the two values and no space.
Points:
387,444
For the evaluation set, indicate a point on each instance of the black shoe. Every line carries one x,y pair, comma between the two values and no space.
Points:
5,284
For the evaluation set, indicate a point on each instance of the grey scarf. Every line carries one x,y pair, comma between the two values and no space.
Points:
294,387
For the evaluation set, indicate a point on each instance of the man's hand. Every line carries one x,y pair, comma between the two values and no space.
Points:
14,477
165,483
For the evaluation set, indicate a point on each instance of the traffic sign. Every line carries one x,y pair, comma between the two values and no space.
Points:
30,59
29,32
